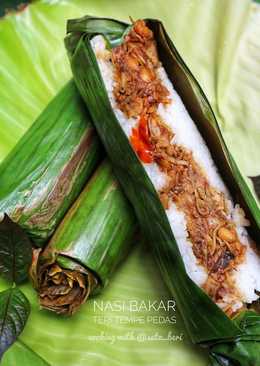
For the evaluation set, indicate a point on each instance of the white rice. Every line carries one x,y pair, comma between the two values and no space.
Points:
247,275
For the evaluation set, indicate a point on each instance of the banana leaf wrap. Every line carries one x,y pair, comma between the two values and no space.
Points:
94,236
230,341
47,169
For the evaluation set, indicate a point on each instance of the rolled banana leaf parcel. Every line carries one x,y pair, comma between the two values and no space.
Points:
95,235
169,156
45,172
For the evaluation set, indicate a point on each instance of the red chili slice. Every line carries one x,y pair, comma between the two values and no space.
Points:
140,141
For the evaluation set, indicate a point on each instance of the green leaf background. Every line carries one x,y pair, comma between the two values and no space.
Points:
24,354
219,41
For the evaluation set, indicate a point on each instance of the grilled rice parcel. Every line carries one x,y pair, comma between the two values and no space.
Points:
45,172
167,171
210,228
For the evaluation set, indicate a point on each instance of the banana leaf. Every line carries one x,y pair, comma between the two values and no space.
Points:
92,239
34,67
52,162
205,322
25,356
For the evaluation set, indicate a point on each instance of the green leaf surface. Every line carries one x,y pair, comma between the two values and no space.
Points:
241,352
14,312
100,221
15,251
24,354
219,40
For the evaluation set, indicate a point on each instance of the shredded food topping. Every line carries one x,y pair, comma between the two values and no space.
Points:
138,91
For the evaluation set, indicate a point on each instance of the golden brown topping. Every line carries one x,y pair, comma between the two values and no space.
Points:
146,74
135,64
228,235
151,52
142,30
132,63
165,200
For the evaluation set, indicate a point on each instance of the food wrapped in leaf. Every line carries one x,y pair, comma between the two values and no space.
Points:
169,155
47,169
94,236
